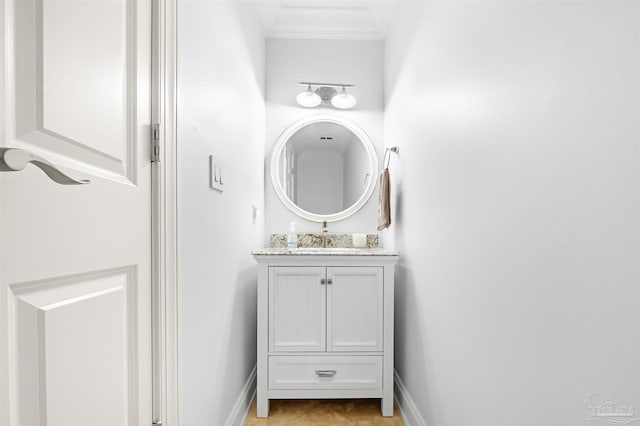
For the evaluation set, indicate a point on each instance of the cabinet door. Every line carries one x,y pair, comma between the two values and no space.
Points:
354,309
297,317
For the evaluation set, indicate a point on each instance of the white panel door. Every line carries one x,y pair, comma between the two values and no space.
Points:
297,309
75,260
354,309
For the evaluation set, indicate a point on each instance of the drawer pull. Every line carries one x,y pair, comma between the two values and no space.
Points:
326,373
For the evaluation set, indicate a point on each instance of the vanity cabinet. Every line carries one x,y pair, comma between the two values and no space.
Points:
330,309
325,327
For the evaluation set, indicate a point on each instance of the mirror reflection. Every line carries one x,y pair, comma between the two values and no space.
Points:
324,168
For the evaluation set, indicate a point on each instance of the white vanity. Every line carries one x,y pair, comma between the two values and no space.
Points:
325,325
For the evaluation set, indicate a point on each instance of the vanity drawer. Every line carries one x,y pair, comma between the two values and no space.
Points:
325,372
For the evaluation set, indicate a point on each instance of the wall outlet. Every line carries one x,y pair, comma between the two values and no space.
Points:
255,214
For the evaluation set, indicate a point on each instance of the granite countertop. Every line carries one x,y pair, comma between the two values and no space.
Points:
318,251
315,241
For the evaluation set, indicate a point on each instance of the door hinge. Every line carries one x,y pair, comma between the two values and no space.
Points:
155,143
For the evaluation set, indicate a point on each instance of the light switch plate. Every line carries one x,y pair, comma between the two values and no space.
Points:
216,173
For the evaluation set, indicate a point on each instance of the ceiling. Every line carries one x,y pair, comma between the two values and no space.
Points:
325,19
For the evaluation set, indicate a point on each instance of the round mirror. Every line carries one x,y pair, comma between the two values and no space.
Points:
323,168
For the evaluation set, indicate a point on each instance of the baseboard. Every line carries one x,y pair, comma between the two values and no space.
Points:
240,409
410,414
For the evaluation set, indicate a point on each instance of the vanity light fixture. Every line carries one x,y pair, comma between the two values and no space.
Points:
343,100
326,93
309,98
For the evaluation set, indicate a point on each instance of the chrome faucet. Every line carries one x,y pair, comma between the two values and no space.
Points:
325,231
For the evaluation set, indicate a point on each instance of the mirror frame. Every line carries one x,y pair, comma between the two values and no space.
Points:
275,160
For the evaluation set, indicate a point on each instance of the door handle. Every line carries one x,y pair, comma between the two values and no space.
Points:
15,159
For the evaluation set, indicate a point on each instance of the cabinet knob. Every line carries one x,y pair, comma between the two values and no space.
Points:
326,373
323,281
330,281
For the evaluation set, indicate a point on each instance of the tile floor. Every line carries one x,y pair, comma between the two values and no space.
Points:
325,412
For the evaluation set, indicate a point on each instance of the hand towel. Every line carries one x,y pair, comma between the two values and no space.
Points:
384,206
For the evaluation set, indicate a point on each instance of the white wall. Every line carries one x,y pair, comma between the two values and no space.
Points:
221,112
517,208
290,61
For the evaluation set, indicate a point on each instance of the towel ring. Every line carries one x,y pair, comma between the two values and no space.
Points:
387,155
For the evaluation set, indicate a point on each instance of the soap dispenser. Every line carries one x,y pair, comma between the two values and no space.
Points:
292,237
